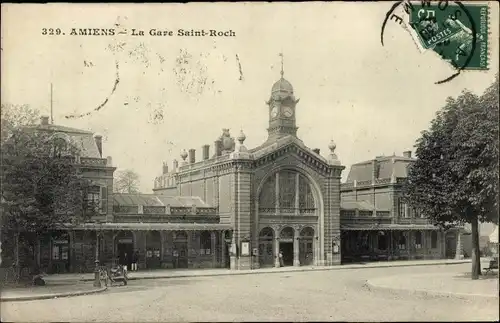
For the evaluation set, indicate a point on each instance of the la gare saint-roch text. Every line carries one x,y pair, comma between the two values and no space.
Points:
184,32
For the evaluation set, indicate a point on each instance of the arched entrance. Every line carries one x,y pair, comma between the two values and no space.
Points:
153,250
124,247
286,245
306,246
266,250
180,250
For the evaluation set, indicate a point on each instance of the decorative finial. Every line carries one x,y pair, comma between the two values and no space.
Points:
282,71
184,154
332,146
241,137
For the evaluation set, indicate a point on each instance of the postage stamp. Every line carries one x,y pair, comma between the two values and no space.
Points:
457,32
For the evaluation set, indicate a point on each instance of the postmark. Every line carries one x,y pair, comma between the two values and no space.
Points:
457,32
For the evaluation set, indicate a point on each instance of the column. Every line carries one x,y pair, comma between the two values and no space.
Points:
212,248
297,195
410,245
459,250
276,251
296,259
189,244
316,251
144,235
223,249
277,188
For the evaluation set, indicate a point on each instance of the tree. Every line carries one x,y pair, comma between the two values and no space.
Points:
16,116
42,189
127,181
455,178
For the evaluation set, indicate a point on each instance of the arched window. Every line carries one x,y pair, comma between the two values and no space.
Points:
434,238
267,198
288,191
60,147
286,233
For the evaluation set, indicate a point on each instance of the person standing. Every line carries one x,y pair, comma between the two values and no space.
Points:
135,260
124,261
280,256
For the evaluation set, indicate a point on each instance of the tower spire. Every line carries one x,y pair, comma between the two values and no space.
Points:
282,72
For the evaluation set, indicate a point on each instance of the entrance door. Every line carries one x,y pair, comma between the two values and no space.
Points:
287,249
306,251
451,246
125,249
266,252
180,250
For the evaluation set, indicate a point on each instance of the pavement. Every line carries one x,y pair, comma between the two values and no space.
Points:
48,291
293,296
459,285
181,273
65,285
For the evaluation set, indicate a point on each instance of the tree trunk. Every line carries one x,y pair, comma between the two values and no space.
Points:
478,250
475,257
17,262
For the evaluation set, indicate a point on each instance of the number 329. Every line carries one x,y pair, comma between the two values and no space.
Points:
51,31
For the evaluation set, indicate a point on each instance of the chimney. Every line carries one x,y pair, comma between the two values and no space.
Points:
206,152
218,147
192,156
165,168
176,164
109,161
407,154
316,150
98,142
44,120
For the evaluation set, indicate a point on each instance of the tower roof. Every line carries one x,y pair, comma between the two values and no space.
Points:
282,86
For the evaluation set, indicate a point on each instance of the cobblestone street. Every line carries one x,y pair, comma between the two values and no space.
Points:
301,296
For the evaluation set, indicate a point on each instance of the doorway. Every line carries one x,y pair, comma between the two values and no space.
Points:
125,250
287,249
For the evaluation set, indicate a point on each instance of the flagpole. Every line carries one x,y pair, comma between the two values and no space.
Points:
51,106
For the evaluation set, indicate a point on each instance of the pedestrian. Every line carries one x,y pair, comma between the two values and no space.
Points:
135,260
125,261
280,256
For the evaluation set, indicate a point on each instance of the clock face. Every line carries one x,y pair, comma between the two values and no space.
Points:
274,112
288,112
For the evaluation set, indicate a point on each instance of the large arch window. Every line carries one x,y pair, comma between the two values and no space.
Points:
287,192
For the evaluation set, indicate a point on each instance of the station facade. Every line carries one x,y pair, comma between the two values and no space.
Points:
239,208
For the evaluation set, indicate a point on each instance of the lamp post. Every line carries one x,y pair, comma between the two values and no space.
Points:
97,278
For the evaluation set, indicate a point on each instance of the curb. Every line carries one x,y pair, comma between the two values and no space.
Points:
257,272
428,293
49,296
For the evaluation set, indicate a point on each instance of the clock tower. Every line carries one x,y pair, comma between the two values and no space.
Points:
282,105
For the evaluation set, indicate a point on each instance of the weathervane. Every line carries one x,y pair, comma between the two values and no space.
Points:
282,72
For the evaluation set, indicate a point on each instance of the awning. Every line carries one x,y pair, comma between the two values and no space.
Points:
393,227
151,226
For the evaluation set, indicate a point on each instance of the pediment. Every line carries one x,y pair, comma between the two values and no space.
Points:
291,146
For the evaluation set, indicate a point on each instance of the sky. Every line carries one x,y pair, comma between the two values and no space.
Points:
152,96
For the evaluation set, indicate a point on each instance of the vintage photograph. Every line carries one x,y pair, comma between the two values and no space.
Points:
232,162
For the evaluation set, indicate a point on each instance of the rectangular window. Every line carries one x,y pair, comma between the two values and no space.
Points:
104,200
402,208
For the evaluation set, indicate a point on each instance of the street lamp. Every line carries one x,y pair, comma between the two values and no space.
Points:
97,278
